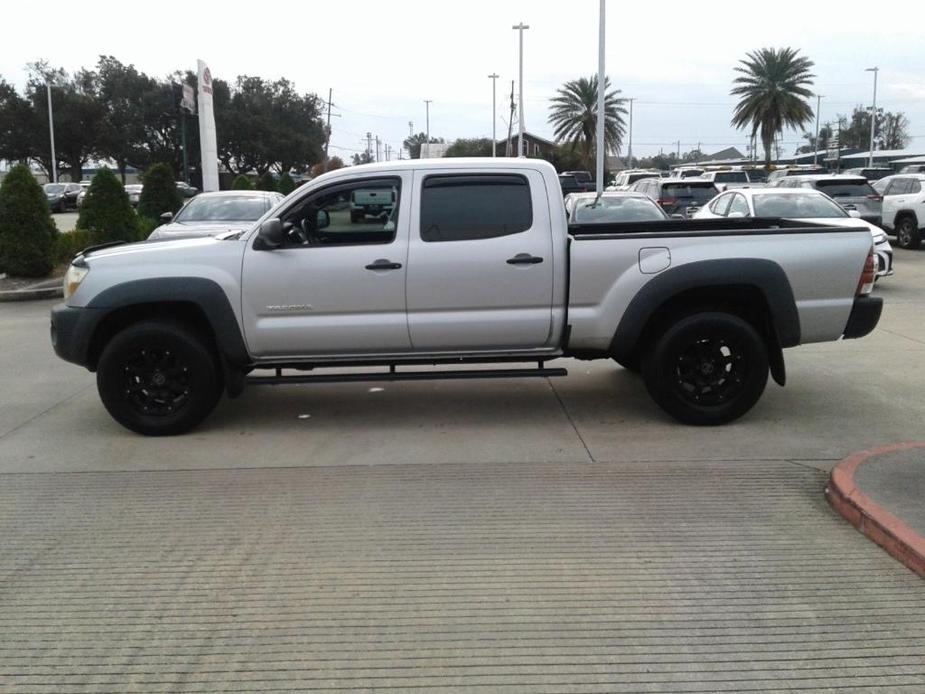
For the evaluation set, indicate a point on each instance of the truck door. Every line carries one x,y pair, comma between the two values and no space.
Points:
338,285
480,262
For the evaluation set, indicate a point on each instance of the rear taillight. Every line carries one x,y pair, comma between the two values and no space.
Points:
866,283
875,198
667,202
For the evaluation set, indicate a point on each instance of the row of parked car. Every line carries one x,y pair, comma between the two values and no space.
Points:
69,196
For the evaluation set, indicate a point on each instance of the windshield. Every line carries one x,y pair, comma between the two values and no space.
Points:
54,188
846,189
632,178
731,177
617,209
224,208
700,194
800,206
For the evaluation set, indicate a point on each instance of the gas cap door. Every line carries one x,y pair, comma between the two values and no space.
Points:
653,260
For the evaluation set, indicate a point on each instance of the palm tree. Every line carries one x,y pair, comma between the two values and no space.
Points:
773,87
574,117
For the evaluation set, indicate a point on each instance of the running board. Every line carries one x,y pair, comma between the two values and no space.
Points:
393,375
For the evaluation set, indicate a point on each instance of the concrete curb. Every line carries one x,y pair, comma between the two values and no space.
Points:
32,293
865,514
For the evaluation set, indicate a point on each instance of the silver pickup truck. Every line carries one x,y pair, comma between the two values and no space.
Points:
475,264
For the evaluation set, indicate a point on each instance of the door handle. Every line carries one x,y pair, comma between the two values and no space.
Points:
383,264
524,259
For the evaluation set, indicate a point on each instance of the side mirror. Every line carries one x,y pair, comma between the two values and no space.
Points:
854,213
323,220
166,217
270,235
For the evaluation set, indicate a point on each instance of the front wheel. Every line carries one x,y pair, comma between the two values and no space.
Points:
707,369
907,233
158,378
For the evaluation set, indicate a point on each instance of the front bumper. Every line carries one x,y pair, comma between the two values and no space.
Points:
865,314
72,331
884,261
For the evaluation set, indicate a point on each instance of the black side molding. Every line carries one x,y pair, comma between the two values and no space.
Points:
865,314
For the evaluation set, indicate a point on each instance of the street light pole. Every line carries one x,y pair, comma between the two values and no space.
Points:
816,141
601,94
629,150
520,138
51,133
494,118
873,117
427,103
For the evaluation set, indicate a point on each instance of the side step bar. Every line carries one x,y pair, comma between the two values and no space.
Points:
393,375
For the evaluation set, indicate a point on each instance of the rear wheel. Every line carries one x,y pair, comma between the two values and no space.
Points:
158,378
707,368
907,233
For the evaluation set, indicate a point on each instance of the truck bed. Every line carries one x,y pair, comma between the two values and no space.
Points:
759,226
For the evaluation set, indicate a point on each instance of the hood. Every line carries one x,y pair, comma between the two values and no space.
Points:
179,230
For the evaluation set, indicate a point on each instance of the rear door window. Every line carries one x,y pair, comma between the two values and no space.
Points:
720,205
915,186
468,207
846,189
739,207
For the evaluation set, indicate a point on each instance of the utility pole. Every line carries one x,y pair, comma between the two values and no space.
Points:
510,125
873,117
679,151
369,146
51,133
410,128
377,148
816,139
494,118
629,150
520,85
327,139
601,113
427,103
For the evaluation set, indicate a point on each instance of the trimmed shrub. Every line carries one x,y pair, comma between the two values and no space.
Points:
106,212
145,226
242,182
160,193
70,244
27,231
286,184
266,182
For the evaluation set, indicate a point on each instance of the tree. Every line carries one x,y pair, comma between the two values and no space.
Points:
242,182
367,158
27,231
812,145
106,211
773,86
14,119
286,184
567,158
475,147
122,91
334,163
891,130
160,193
573,115
413,145
265,182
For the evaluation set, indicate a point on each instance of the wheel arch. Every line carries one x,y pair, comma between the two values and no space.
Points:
754,289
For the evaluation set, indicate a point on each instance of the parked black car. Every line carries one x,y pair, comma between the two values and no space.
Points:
62,196
571,184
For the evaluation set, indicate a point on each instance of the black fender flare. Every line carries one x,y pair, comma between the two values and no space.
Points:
764,275
206,294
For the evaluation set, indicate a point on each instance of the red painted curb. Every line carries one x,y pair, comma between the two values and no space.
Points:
865,514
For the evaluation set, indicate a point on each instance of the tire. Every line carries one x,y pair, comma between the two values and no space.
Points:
158,378
707,369
908,235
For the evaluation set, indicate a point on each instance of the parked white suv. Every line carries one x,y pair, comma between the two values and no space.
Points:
904,207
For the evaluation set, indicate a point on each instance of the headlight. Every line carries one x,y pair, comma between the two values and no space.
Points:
879,238
75,275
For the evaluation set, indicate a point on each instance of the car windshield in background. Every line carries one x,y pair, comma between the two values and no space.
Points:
617,210
846,189
133,188
638,177
731,177
54,188
698,193
806,206
582,176
225,208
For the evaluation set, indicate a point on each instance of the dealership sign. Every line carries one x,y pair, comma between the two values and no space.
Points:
207,140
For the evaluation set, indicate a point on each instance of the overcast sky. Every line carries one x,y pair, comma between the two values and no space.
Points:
383,58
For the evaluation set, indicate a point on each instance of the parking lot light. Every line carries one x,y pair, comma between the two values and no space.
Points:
873,117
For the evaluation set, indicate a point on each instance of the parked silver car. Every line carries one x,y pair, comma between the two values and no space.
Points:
209,214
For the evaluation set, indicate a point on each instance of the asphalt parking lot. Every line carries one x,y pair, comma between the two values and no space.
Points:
506,535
